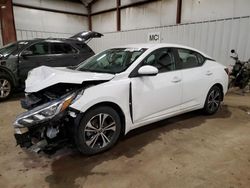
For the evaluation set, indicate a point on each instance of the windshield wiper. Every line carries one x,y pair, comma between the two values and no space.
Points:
71,67
97,71
85,70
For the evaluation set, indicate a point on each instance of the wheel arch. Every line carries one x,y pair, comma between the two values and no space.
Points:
8,73
116,107
221,89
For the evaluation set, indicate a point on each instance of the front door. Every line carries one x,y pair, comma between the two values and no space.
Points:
155,97
39,53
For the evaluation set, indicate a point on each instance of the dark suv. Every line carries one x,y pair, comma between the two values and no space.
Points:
17,59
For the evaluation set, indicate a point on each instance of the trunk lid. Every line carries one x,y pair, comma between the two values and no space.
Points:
86,35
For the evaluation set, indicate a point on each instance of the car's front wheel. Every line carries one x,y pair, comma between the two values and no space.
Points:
213,100
98,130
5,87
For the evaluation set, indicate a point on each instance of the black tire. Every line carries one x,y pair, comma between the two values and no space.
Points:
213,100
89,129
5,79
244,80
231,83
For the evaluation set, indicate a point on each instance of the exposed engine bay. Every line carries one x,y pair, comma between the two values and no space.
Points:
32,100
48,124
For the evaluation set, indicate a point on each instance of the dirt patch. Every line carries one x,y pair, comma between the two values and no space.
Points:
191,150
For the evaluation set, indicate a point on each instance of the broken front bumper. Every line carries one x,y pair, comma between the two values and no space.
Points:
22,137
44,126
43,137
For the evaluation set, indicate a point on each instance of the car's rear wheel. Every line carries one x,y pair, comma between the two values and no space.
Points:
213,100
98,130
5,87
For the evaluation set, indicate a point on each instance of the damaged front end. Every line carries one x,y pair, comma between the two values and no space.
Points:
46,124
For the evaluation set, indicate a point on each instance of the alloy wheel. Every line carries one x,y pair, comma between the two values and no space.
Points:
5,88
99,131
213,100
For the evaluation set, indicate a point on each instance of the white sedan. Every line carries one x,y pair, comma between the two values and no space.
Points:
115,91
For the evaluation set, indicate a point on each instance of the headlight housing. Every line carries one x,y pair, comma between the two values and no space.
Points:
44,112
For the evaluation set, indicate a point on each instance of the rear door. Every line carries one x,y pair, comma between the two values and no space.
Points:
64,55
196,78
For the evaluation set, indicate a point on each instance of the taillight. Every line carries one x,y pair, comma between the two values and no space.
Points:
227,71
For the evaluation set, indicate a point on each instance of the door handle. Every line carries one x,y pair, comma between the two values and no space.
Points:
49,59
176,79
209,73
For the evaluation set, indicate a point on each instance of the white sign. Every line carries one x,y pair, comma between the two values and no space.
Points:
154,37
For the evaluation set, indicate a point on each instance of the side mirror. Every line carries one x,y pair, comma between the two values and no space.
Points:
26,53
148,70
232,51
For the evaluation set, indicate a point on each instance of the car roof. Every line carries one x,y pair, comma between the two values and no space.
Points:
49,40
161,45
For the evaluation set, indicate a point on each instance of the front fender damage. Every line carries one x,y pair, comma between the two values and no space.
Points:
50,135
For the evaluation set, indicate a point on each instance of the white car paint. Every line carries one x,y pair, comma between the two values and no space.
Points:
43,77
148,70
153,97
156,96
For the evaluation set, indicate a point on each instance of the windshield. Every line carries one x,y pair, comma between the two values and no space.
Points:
111,61
9,48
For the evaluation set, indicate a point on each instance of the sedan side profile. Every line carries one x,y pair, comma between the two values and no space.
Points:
114,92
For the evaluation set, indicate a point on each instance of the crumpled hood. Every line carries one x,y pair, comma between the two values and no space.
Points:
43,77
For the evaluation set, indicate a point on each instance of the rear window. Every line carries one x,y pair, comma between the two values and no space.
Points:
62,48
84,47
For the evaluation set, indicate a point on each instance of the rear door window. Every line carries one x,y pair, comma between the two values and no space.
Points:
62,48
189,58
